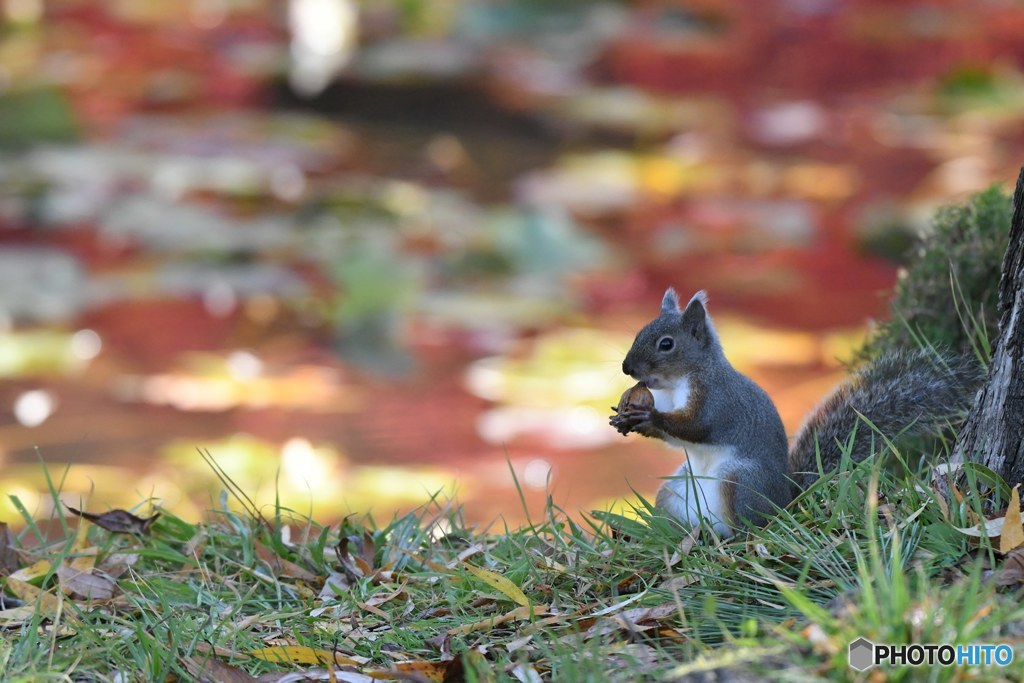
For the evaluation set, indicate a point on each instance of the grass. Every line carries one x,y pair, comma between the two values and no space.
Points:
875,550
868,552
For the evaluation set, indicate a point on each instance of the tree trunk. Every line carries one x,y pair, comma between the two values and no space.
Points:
993,434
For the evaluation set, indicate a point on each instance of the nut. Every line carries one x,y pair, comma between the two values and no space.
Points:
637,397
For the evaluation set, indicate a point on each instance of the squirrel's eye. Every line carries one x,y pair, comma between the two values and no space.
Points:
666,344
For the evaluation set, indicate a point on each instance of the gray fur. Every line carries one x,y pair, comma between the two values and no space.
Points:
732,409
670,302
901,394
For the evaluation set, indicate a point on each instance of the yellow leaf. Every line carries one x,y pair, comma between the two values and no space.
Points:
48,604
16,616
500,583
432,671
33,571
1013,533
517,614
85,555
300,654
81,537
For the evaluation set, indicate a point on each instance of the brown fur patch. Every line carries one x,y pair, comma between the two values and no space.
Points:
728,491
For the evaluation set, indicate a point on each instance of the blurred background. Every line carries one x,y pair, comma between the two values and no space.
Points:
369,252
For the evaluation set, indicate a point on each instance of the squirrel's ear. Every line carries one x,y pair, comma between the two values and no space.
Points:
670,302
695,318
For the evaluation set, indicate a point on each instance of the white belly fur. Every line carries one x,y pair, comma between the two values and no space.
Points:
695,491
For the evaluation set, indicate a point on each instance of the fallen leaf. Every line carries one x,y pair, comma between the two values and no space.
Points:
519,643
673,634
84,584
361,563
48,604
81,544
518,614
9,561
300,654
16,616
678,582
499,582
443,643
32,572
381,598
990,529
335,585
941,500
626,584
280,566
438,672
1012,571
117,564
525,673
331,675
207,648
1013,531
686,546
118,521
636,619
209,670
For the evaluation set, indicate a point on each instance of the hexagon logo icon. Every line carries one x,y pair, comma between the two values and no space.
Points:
862,654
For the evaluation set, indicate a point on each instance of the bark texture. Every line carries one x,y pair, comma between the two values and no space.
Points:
993,434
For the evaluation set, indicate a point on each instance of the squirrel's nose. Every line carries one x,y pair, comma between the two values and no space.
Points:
627,368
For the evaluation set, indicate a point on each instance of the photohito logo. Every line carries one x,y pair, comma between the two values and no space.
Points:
864,654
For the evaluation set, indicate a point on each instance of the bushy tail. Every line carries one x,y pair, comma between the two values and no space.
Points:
904,393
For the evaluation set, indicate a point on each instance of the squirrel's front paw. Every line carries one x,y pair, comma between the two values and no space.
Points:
634,408
632,420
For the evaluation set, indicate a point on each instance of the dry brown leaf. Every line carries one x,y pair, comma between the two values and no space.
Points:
84,584
373,610
335,586
437,672
636,619
646,615
118,521
943,505
281,567
1013,532
330,675
679,582
432,566
673,634
381,598
116,564
518,614
207,648
1012,571
9,560
691,539
209,670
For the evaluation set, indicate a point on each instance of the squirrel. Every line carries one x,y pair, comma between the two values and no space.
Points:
738,466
